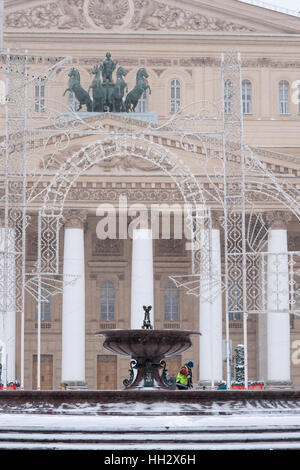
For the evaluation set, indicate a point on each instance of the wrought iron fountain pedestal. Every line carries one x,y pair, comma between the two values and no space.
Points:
147,348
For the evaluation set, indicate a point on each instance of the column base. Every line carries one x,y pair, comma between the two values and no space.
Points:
278,385
206,385
74,385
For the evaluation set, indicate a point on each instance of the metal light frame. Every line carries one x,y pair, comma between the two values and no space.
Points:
234,168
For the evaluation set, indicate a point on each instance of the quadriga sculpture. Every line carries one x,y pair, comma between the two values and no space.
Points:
134,95
107,95
81,95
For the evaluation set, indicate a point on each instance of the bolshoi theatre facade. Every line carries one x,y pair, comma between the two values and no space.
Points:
122,183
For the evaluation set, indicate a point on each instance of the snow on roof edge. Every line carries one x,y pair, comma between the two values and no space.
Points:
269,6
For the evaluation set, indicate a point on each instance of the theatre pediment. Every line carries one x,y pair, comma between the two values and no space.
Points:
230,16
123,155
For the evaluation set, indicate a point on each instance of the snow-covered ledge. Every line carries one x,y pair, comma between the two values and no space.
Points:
73,315
149,117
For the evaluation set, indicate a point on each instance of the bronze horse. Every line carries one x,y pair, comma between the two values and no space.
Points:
134,95
98,90
81,95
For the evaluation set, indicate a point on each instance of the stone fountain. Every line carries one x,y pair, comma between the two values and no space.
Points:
147,348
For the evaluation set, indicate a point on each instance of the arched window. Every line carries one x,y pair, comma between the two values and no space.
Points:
228,97
107,301
284,97
175,96
171,302
247,96
39,96
142,103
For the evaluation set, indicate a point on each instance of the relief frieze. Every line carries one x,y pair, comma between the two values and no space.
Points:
118,15
170,247
107,247
132,195
153,15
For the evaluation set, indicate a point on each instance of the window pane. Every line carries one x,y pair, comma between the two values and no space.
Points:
39,95
111,316
246,96
45,305
228,97
283,97
111,292
171,304
175,93
107,301
175,316
103,292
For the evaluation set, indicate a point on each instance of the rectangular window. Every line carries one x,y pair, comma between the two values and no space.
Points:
45,305
171,302
107,302
175,95
228,97
39,96
247,96
283,97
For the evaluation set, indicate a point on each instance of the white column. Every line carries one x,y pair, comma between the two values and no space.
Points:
7,305
141,276
1,23
73,315
278,319
210,360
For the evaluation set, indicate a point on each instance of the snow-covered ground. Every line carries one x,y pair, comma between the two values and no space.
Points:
73,422
104,432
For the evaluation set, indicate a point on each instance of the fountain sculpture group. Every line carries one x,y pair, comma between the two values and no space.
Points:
147,348
108,96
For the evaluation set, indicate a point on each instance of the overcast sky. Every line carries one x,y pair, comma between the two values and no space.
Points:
290,4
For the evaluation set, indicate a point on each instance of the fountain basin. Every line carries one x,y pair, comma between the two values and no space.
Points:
147,348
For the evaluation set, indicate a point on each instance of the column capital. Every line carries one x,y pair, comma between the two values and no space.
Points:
217,220
277,220
75,218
